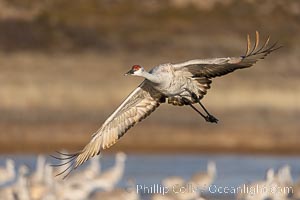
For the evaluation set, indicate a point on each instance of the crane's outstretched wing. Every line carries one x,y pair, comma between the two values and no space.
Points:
137,106
214,67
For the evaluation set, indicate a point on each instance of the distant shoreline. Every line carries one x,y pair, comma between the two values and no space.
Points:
50,137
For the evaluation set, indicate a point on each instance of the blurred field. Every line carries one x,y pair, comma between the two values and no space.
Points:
62,66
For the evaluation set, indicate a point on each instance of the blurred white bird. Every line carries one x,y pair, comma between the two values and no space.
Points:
50,184
38,175
21,190
90,172
205,179
112,176
128,194
76,192
296,190
262,188
282,183
173,181
106,181
8,173
200,181
284,176
163,197
94,168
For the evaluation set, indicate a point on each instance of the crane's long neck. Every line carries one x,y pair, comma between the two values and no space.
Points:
151,77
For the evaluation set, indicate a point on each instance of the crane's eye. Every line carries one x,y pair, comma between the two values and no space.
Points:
136,67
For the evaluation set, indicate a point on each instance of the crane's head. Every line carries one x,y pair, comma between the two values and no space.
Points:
136,70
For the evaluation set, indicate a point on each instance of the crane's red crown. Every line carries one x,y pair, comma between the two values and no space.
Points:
136,67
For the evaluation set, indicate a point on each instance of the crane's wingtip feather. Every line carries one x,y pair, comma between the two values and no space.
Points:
264,50
69,159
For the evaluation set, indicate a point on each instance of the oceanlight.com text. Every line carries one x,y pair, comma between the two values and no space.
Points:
214,189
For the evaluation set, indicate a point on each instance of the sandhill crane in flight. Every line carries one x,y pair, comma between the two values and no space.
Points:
177,84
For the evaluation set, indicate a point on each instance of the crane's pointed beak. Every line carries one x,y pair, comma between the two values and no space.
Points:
129,72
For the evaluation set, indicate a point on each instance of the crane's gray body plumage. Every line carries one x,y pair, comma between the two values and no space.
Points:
175,84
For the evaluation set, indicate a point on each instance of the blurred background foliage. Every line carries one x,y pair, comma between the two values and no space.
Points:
58,25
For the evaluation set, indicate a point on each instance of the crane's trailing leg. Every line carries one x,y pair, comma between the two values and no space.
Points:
194,108
208,117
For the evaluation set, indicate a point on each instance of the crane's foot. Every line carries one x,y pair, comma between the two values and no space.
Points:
211,118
